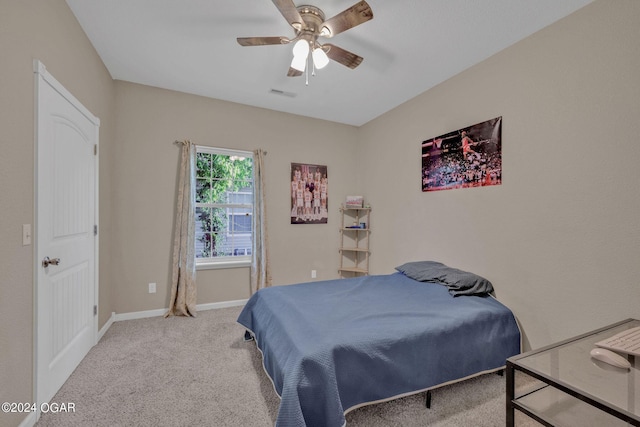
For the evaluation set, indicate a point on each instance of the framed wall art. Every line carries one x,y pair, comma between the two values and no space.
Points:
467,157
309,191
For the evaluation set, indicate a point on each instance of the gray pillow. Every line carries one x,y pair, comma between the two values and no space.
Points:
458,282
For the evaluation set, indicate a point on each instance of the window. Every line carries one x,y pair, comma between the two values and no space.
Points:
224,207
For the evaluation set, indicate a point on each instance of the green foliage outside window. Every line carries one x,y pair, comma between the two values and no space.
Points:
217,177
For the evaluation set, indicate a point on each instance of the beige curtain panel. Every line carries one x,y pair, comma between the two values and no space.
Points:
183,286
260,271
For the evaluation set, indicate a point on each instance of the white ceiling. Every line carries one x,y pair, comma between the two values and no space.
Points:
408,47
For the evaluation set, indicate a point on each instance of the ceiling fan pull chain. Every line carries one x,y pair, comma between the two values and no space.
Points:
306,73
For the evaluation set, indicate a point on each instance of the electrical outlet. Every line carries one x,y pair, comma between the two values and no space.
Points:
314,274
152,288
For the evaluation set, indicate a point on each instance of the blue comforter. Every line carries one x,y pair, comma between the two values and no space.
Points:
333,345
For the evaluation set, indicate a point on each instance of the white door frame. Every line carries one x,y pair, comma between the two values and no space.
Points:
40,71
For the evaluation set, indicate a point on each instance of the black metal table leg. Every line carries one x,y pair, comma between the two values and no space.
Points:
510,422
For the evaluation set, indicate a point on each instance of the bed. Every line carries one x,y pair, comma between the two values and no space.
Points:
332,346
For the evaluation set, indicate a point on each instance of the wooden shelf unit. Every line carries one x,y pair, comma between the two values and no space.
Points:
354,241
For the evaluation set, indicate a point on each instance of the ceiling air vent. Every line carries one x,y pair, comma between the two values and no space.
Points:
282,93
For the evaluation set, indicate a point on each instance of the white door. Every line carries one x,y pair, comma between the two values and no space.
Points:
66,214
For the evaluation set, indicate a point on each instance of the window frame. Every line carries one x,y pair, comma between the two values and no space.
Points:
226,261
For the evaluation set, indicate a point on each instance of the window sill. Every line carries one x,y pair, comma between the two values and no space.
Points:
225,264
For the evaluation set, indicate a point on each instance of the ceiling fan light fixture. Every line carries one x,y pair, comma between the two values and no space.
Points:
299,63
310,24
301,49
320,58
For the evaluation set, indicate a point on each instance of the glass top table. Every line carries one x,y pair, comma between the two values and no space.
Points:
569,387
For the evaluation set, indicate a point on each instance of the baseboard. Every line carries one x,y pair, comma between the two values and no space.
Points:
161,312
29,421
117,317
106,326
224,304
140,314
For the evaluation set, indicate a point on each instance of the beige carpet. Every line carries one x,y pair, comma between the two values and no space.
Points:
200,372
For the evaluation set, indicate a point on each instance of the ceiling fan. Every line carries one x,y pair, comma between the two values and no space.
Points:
309,24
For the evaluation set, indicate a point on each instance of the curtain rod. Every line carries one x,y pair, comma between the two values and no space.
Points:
206,146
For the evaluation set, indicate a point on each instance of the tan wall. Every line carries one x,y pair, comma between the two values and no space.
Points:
560,238
149,120
48,31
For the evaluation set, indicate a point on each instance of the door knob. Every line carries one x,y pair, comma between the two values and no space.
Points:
46,262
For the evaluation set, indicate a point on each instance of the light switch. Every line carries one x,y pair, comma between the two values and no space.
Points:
26,234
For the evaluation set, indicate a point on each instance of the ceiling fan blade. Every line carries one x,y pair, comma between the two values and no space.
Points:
290,13
357,14
293,72
261,41
342,56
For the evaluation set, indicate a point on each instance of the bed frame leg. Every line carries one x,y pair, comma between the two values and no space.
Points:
248,336
501,373
427,403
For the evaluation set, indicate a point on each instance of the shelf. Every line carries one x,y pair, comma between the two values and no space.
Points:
353,270
355,209
354,249
558,408
354,241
